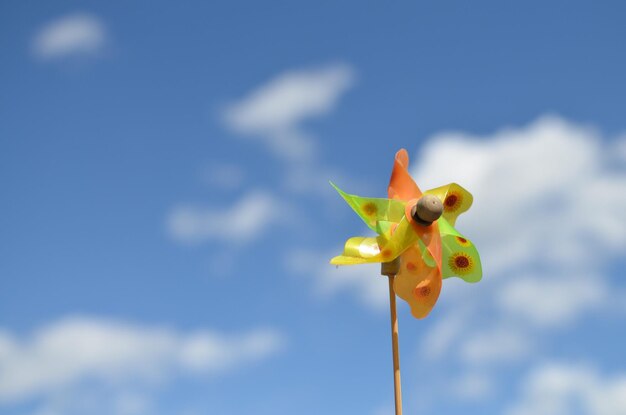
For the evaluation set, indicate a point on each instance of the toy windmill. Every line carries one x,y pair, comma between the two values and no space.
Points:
417,245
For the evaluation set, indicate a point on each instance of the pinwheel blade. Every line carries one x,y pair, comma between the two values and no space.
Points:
459,255
401,185
455,200
372,210
417,283
361,250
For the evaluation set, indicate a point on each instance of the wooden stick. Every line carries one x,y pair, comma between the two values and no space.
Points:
427,210
390,269
394,344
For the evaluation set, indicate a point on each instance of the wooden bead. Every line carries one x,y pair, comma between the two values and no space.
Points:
390,268
427,209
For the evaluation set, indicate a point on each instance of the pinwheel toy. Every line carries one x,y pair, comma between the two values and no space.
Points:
417,244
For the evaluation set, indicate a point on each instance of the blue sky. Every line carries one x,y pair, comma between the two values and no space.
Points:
166,218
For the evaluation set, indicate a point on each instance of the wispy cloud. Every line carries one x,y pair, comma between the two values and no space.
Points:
547,301
437,342
273,112
76,34
499,344
473,386
619,149
224,175
239,223
563,389
66,353
328,280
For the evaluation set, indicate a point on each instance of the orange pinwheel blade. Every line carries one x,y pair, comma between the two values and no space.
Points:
401,185
417,283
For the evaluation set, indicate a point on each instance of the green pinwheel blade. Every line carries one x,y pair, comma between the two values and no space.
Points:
373,210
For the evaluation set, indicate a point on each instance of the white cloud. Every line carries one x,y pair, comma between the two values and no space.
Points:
501,344
132,404
384,410
437,342
542,194
225,176
619,149
548,222
77,34
247,219
473,386
558,389
548,212
364,281
96,400
546,301
68,352
274,111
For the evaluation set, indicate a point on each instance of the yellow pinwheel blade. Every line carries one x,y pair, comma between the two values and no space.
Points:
455,199
384,248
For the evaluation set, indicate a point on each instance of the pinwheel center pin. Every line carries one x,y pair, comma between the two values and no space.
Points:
416,244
